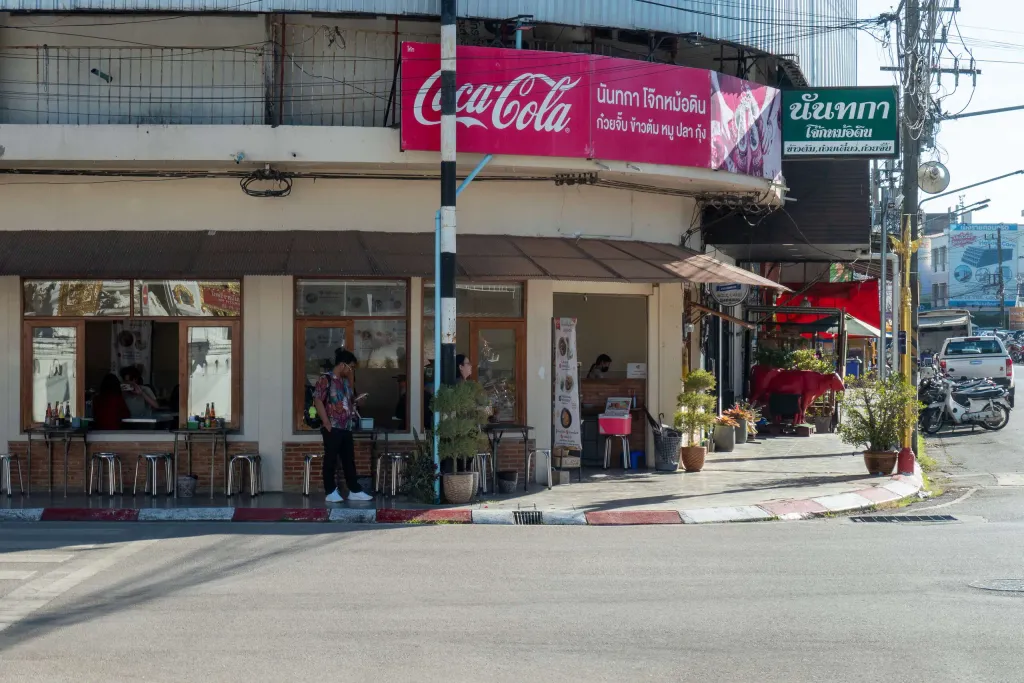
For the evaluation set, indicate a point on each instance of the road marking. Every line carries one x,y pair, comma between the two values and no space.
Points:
33,595
40,558
970,492
15,575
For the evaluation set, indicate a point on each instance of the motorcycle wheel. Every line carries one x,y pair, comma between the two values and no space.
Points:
998,423
931,421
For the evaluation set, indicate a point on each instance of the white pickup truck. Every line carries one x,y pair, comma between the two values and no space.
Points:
977,357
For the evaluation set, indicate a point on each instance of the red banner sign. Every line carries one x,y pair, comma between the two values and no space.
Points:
556,104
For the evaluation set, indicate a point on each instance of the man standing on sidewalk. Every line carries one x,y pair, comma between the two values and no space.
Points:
334,399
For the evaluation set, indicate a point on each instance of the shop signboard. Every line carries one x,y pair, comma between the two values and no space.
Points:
730,295
566,408
1017,318
535,103
975,261
840,122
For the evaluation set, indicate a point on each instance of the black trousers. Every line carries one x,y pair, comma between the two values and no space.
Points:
339,446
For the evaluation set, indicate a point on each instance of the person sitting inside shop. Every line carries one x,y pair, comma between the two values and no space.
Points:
109,406
599,370
140,398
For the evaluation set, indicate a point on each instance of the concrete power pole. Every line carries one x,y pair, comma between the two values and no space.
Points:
913,131
1002,284
446,283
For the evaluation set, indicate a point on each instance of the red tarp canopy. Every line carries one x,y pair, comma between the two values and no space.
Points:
859,299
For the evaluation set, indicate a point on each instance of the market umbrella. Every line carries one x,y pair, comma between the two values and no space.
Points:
856,327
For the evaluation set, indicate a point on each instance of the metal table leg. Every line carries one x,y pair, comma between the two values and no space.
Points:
495,442
526,456
85,462
29,458
175,455
49,459
213,464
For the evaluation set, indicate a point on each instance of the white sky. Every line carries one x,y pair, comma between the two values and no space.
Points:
979,148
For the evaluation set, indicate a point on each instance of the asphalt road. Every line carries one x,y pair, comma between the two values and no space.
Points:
827,600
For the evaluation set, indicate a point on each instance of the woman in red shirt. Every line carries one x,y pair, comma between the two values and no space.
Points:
109,407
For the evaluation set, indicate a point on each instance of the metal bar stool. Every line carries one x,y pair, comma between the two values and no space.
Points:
153,461
608,449
5,474
307,467
255,462
393,464
531,457
479,465
115,479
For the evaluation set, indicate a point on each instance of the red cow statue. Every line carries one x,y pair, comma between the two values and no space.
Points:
807,384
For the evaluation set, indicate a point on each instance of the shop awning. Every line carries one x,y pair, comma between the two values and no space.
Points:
349,253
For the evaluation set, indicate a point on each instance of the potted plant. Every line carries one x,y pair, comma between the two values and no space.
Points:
462,409
725,433
821,416
420,472
875,417
745,416
696,415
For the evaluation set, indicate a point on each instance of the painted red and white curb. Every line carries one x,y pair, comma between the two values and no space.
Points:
894,490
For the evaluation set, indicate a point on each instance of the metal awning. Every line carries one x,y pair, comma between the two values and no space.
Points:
350,253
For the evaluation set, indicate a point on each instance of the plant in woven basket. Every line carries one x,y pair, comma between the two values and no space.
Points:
696,412
461,409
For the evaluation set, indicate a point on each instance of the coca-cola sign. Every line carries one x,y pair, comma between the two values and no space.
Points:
556,104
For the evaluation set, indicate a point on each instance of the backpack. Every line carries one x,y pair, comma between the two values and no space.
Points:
309,414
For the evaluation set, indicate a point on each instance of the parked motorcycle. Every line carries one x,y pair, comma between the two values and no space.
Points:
974,403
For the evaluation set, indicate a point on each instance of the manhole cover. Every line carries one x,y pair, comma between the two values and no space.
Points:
903,519
1001,585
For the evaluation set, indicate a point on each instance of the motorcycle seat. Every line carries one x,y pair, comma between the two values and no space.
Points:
994,392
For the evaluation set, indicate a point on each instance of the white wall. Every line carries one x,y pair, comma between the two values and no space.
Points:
10,366
532,209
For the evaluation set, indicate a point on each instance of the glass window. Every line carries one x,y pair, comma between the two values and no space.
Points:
211,368
973,347
187,298
340,299
54,369
478,300
496,356
78,298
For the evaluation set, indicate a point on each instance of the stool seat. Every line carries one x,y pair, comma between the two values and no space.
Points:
396,462
113,477
255,463
5,474
152,461
307,467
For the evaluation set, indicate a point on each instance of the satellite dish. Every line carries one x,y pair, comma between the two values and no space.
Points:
933,177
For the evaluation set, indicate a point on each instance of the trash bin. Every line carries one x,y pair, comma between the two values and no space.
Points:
635,458
853,366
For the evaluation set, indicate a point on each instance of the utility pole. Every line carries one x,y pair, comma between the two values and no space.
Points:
913,131
1002,285
446,283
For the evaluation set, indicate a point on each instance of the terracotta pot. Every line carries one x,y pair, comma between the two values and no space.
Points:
741,431
458,488
880,462
693,457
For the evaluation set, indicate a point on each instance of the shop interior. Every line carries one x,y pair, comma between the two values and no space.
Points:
613,326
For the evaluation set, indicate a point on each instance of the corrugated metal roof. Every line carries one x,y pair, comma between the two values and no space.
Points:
234,254
798,27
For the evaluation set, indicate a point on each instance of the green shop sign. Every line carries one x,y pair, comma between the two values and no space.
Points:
840,122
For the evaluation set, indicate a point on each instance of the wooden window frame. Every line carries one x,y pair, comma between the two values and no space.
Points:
184,322
237,367
28,324
349,322
475,323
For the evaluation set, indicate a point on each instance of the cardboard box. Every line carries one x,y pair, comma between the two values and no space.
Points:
567,461
559,477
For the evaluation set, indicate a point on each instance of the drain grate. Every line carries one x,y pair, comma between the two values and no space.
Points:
904,519
527,517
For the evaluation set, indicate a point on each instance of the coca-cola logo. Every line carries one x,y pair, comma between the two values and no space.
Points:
531,100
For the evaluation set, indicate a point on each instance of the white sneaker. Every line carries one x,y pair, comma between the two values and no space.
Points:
335,497
362,495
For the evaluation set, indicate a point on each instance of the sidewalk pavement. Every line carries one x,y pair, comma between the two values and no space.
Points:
779,478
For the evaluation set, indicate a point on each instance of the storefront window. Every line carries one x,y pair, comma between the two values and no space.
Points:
491,333
369,318
77,298
52,371
187,298
481,300
153,331
335,299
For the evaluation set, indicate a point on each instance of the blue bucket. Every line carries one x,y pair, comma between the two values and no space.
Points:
635,458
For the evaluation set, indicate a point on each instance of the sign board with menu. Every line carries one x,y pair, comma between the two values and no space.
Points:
566,375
